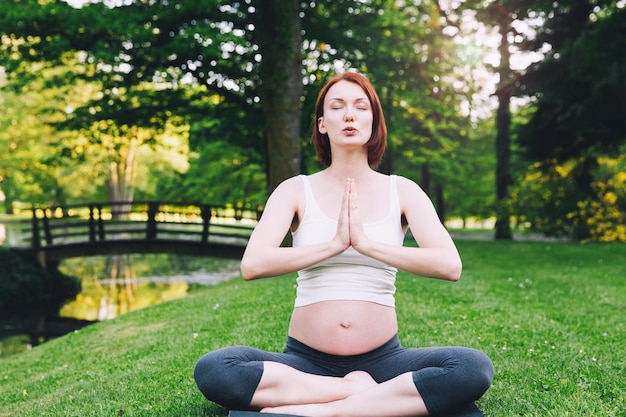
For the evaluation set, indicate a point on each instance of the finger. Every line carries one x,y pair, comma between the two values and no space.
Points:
357,233
354,204
345,204
343,222
354,198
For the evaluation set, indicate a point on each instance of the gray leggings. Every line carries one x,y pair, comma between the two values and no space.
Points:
449,379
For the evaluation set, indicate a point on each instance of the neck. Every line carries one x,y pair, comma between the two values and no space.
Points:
341,171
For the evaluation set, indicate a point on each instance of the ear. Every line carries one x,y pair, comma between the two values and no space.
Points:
321,126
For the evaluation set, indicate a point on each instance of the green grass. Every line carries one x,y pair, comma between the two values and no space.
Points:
550,315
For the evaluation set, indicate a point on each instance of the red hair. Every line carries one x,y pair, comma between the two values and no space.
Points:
377,142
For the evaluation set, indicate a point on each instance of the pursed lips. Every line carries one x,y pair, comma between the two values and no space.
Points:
350,130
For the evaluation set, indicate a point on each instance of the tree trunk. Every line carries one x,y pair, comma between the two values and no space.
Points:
280,89
440,203
503,137
122,166
425,178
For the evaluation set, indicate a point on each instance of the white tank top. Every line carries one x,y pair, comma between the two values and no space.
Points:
349,275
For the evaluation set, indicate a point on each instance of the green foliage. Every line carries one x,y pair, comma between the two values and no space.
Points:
416,67
134,100
548,314
216,165
551,200
472,168
579,86
28,169
25,285
145,64
603,216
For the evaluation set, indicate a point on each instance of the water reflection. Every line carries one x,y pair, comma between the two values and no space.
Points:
115,285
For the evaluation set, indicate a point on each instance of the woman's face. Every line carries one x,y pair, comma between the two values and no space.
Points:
347,116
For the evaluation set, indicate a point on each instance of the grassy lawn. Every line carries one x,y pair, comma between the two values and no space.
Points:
550,315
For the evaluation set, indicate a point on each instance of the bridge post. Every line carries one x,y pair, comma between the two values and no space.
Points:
100,223
35,242
46,228
205,212
151,226
92,225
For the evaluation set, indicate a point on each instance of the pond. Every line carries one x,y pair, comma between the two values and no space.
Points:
111,286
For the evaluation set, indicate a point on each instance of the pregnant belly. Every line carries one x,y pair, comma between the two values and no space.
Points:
343,327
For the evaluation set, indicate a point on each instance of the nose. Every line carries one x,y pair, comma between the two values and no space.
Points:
349,116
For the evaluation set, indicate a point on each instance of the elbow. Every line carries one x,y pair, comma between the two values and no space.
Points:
453,272
247,271
250,270
248,267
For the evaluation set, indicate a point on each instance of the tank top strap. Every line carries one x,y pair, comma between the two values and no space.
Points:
310,205
308,191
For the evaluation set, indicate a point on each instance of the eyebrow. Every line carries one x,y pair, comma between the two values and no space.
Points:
343,100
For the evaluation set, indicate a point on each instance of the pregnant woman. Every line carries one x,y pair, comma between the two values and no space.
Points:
343,356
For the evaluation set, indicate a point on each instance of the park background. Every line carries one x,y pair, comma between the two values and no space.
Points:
510,110
508,113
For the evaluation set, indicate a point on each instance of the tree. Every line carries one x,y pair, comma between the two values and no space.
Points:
502,14
556,29
230,72
503,124
246,52
576,97
280,89
31,168
579,86
106,127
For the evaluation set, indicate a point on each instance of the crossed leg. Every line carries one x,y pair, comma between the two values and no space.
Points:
297,381
284,390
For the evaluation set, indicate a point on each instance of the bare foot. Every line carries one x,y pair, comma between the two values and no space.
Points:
360,381
309,410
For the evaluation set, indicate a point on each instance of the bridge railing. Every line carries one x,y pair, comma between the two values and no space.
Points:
144,220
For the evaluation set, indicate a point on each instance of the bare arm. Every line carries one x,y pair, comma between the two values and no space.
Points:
436,256
264,257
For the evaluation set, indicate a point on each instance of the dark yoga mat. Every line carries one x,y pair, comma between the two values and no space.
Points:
257,414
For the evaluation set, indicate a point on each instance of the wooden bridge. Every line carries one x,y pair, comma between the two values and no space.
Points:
140,227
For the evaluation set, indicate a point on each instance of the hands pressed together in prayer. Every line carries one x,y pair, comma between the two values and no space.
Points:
350,230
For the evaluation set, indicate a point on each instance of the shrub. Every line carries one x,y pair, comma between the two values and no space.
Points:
604,217
26,285
553,201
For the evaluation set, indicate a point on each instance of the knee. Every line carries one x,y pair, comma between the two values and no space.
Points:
225,377
208,373
479,369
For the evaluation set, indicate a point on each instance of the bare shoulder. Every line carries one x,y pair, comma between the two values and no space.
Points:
405,182
290,185
409,191
287,190
286,198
